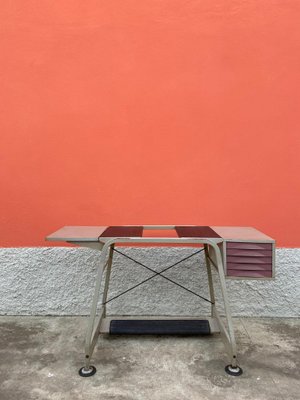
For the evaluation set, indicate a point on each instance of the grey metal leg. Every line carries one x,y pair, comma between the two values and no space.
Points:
107,278
210,281
93,328
233,368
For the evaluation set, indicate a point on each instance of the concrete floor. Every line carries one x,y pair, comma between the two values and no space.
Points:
40,357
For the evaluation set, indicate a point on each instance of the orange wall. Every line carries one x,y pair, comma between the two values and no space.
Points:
152,111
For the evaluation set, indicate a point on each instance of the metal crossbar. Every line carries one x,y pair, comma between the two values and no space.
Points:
158,274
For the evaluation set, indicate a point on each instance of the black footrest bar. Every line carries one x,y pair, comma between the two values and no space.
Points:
159,327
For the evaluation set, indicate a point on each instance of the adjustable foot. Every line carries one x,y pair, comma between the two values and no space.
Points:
235,371
85,372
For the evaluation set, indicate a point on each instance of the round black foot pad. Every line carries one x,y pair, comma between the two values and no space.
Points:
235,371
87,372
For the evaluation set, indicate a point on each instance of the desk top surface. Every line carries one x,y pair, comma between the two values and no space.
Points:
104,233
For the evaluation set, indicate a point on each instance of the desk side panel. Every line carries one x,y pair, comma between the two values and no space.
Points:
77,233
241,234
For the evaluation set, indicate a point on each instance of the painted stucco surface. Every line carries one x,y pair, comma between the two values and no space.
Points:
60,281
149,112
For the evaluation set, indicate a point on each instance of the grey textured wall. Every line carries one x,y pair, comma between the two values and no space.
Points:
60,281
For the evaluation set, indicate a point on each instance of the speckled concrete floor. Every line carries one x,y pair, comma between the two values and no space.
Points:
40,357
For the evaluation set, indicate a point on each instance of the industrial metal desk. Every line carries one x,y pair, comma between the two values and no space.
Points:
234,252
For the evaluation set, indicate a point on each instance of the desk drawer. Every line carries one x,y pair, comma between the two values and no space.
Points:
249,260
249,246
249,267
249,274
249,253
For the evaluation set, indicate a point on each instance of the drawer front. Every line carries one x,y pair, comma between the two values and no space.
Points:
249,274
249,260
249,253
250,267
249,246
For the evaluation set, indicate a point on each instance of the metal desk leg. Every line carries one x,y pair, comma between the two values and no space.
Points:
93,328
228,334
210,281
107,278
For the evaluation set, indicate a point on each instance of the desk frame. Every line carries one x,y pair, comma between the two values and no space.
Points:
99,321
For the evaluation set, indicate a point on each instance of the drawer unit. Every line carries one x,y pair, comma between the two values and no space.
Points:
249,260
